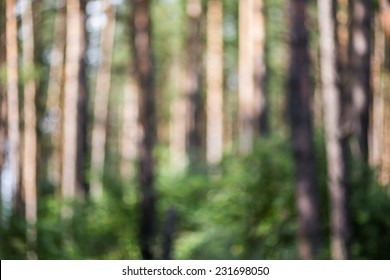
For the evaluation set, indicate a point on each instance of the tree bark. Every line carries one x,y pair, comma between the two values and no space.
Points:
3,120
13,100
142,47
129,129
71,90
360,71
214,106
300,90
53,114
333,133
195,114
251,116
385,157
101,102
29,138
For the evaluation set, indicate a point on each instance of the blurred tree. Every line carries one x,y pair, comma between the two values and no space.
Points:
3,128
333,134
142,47
360,72
194,47
83,148
74,47
53,114
13,102
29,167
251,73
299,98
385,158
101,102
214,106
129,133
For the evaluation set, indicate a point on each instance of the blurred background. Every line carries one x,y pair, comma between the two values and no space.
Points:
194,129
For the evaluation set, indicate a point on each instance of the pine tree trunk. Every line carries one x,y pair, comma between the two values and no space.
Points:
260,69
385,156
332,117
195,115
214,106
300,90
3,120
360,71
129,129
53,115
101,103
29,138
142,48
71,90
13,100
251,116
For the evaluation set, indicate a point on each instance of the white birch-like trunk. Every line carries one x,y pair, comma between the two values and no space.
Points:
214,126
101,102
332,114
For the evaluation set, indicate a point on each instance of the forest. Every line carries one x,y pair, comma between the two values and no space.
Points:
194,129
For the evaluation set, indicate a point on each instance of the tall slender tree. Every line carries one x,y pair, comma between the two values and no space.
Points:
385,156
29,137
71,90
2,85
103,82
13,99
53,114
143,66
360,71
195,114
251,116
300,90
332,118
214,105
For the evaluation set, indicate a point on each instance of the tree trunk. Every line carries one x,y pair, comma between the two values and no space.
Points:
178,111
53,114
101,102
333,134
360,72
82,185
300,90
13,100
129,130
142,48
29,138
251,73
3,120
71,90
260,69
385,157
214,106
195,114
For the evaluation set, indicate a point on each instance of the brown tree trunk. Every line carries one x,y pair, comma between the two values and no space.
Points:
29,138
385,157
260,69
195,114
178,112
101,103
142,48
332,117
53,115
360,71
251,116
129,130
13,99
71,89
300,90
214,106
3,120
82,184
